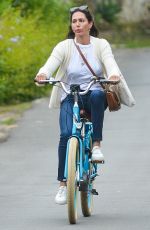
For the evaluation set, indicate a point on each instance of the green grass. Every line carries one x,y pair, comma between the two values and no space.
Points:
138,43
9,114
18,109
131,40
8,121
128,36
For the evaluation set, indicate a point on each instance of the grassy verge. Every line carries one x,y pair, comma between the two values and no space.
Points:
138,43
128,36
19,108
8,121
9,114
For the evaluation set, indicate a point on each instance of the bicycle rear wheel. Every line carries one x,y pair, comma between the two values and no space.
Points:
87,199
87,196
72,180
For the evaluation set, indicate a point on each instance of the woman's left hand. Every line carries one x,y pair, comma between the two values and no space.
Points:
114,78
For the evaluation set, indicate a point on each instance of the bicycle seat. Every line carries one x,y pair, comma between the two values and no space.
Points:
84,114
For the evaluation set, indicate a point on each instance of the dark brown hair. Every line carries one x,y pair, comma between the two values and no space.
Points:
93,30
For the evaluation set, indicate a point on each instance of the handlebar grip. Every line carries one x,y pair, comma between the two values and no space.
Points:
109,82
39,82
51,81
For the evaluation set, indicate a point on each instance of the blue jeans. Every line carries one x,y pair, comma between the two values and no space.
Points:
94,103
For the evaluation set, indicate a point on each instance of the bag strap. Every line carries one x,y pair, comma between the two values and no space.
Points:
85,60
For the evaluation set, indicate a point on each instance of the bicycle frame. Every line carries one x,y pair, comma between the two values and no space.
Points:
82,130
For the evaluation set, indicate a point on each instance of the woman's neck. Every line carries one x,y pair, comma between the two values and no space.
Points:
83,40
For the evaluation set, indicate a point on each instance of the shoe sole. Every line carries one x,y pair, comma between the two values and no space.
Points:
63,203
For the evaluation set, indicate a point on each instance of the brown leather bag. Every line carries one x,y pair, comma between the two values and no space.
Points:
112,101
112,98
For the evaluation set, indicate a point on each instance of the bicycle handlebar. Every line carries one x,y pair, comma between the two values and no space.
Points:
94,80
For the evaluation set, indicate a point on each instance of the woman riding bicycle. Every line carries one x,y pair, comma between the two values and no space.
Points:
73,70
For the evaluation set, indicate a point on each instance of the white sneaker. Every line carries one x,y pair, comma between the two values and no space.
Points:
97,155
61,196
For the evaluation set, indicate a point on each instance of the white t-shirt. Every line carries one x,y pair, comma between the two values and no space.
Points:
78,72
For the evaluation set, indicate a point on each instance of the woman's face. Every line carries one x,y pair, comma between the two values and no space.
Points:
80,24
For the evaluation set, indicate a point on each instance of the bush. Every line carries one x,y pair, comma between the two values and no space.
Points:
25,43
108,10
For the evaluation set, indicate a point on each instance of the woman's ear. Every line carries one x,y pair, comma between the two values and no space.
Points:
90,25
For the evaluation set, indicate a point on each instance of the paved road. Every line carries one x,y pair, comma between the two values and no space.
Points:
28,164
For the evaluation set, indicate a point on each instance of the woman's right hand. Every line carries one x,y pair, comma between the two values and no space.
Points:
39,78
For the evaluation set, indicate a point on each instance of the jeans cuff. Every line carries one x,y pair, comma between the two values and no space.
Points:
96,139
61,179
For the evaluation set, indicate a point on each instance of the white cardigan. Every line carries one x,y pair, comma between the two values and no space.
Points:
60,57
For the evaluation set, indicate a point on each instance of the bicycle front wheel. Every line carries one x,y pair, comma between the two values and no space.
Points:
72,180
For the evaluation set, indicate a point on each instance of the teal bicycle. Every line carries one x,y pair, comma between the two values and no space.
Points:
80,171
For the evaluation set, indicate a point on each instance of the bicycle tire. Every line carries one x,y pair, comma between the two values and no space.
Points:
87,196
87,200
72,180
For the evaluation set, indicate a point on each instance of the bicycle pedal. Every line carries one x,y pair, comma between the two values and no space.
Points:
94,192
98,162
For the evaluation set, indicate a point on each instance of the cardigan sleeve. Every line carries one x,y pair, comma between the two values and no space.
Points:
54,61
108,60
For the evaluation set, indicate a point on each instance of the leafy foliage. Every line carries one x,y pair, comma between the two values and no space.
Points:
26,40
108,10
